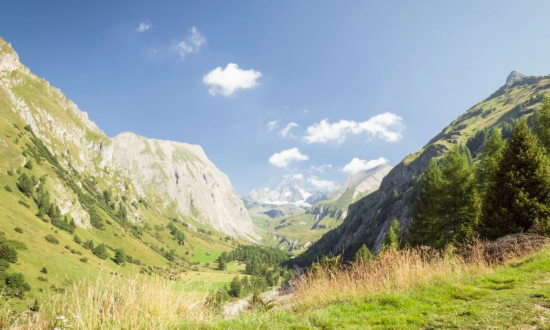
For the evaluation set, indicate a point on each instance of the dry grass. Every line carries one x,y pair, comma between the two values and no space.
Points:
144,302
399,270
139,302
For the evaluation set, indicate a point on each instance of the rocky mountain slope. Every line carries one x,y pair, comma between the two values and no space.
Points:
178,178
369,219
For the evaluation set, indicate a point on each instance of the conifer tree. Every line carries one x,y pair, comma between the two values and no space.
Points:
448,206
120,257
490,159
543,123
363,254
519,199
391,241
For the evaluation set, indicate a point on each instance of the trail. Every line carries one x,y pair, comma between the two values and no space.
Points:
233,309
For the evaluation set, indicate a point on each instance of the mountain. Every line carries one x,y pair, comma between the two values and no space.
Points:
368,219
179,179
287,192
292,227
65,188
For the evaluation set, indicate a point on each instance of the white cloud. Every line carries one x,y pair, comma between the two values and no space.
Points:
272,125
283,158
287,130
386,126
192,44
144,26
321,184
229,80
298,176
320,168
357,165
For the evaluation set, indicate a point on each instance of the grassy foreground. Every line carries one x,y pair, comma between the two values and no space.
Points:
408,289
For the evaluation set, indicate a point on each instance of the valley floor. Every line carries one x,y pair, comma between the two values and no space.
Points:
515,296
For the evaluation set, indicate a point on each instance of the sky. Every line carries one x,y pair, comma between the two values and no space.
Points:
315,90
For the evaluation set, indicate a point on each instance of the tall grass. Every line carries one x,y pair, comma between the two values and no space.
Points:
399,270
144,302
138,302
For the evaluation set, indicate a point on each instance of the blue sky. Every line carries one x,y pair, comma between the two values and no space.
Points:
387,76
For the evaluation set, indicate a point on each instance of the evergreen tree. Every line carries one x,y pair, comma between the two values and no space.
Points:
43,199
391,241
236,287
222,265
488,165
448,207
25,185
120,257
543,123
519,198
363,254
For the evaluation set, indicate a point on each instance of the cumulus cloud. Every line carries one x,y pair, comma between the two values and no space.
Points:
357,164
320,168
229,80
320,184
272,125
144,26
386,126
192,44
287,130
285,157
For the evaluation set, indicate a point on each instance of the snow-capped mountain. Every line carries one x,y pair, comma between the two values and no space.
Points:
289,191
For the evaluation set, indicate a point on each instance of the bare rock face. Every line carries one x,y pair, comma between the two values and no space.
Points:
180,179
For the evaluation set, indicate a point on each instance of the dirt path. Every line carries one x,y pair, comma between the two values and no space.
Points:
235,308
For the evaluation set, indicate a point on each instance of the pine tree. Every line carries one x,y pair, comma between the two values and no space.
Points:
391,241
363,254
120,257
488,165
25,185
448,206
222,265
236,287
519,198
543,123
427,206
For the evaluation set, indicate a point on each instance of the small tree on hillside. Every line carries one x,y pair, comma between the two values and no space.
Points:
363,254
101,251
391,241
519,199
120,257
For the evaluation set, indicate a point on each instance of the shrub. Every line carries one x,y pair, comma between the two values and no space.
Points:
25,204
101,251
42,279
19,230
89,244
51,239
44,270
63,225
8,188
8,253
16,282
4,265
77,240
28,165
84,260
120,257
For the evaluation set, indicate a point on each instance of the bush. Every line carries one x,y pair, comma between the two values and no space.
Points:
120,257
84,260
8,253
16,282
101,251
51,239
4,265
8,188
19,230
28,165
77,240
44,270
89,244
63,225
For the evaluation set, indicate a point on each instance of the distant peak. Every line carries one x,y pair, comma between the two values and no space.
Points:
513,77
